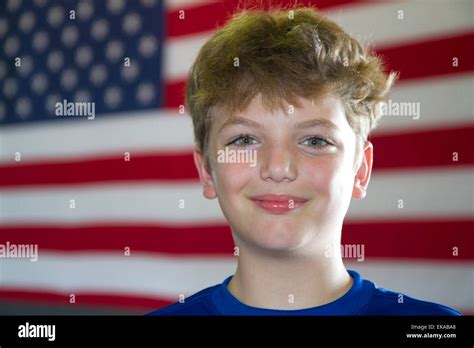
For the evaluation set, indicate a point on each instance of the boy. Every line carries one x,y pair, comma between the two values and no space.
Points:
292,90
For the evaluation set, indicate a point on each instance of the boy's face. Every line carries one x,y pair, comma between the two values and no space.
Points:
317,166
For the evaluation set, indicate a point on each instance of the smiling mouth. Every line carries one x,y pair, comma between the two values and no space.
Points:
278,204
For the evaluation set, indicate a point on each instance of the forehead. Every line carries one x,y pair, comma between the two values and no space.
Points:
325,111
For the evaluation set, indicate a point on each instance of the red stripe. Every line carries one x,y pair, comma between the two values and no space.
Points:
431,58
415,60
185,240
140,167
84,299
209,16
413,239
173,93
424,148
388,239
419,149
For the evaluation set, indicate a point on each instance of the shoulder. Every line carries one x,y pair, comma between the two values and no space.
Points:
388,302
198,304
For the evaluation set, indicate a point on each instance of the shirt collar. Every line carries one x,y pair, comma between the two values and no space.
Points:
352,302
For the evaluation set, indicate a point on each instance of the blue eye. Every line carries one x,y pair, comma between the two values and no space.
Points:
242,140
316,142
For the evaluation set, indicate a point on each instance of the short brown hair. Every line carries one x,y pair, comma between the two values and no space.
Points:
284,54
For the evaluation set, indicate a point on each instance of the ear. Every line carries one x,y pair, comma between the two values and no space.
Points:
362,177
205,175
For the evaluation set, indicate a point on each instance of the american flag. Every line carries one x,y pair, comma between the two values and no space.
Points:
114,203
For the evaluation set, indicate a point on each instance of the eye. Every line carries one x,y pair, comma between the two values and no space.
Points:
316,142
242,140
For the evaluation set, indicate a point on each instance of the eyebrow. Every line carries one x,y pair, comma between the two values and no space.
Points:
317,122
303,124
240,120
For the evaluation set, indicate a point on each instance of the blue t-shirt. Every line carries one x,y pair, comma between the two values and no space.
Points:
364,298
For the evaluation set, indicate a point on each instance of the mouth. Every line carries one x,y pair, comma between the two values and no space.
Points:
278,204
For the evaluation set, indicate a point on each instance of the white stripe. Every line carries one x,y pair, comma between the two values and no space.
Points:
443,102
167,277
440,193
376,23
105,273
121,203
380,23
153,131
409,194
180,53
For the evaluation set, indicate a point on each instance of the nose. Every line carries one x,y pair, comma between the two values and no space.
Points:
277,163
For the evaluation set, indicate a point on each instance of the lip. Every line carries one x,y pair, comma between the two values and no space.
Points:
277,203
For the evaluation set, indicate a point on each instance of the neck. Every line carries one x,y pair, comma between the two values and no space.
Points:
288,281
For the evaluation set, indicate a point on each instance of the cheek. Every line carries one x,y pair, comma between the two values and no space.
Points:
231,182
320,174
328,177
233,177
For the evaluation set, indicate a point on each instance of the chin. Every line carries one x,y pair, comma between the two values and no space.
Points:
277,237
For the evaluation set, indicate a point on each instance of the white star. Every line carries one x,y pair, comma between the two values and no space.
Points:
55,16
131,23
112,96
27,21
